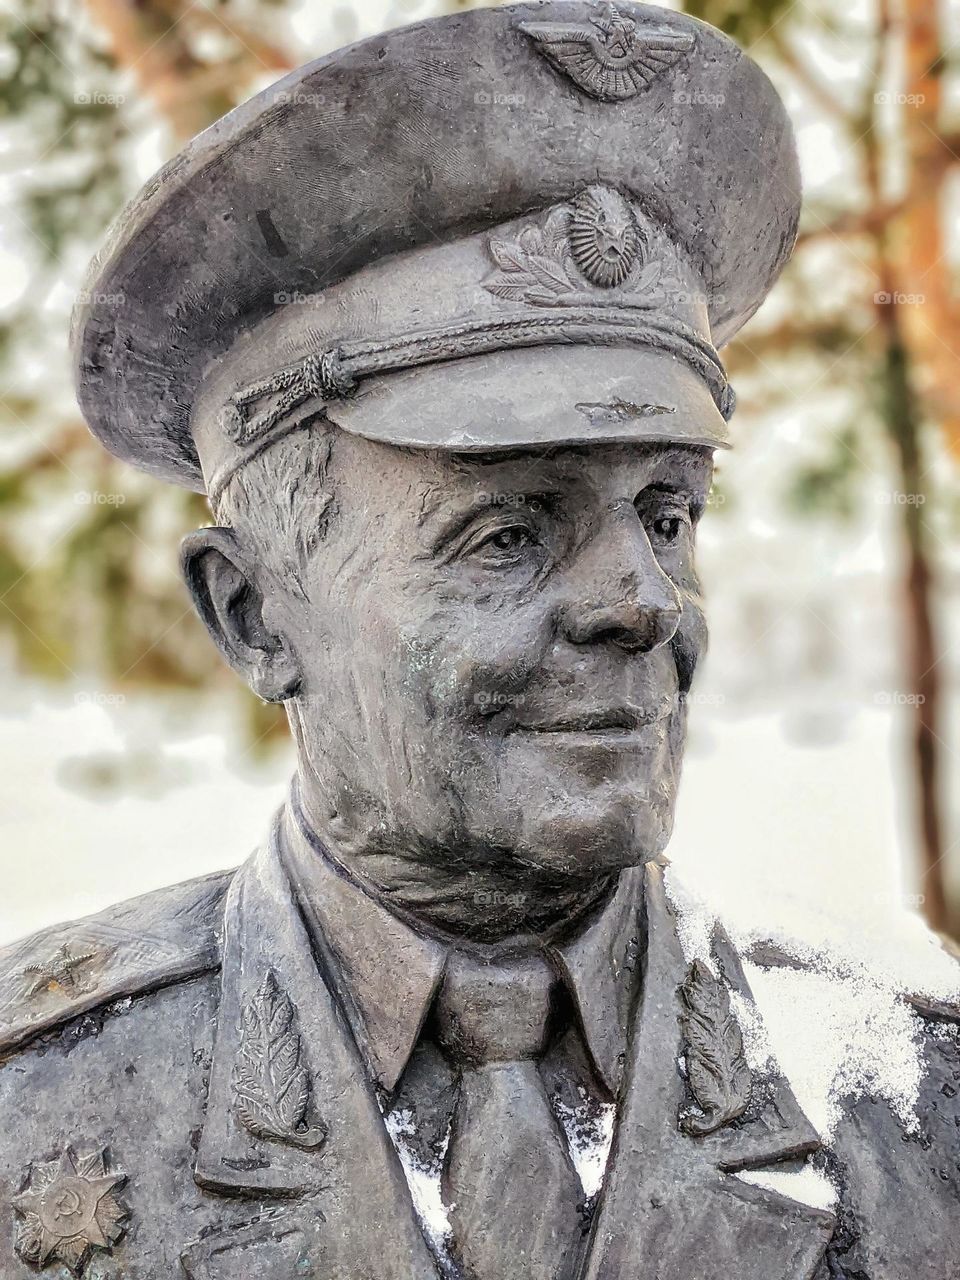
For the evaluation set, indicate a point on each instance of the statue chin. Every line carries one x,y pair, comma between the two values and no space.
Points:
590,842
583,810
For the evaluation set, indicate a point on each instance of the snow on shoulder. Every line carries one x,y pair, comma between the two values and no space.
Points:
837,998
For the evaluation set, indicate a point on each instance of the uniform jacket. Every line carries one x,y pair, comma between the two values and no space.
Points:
134,1147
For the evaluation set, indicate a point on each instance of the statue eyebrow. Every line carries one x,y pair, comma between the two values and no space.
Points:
693,494
502,501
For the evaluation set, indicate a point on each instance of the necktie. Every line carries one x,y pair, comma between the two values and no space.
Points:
512,1191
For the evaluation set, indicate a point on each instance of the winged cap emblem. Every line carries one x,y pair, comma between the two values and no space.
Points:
608,57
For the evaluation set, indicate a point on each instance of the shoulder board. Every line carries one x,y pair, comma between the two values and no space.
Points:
136,946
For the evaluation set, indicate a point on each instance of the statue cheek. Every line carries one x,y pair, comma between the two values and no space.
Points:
467,665
495,676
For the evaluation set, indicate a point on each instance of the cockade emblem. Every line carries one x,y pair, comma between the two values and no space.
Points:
70,1207
607,57
605,238
597,239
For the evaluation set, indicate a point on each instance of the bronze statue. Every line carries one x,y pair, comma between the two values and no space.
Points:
449,376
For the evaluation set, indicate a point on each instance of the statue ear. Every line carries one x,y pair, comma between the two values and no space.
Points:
229,600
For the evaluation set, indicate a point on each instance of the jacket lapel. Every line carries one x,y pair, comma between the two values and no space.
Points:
671,1207
290,1113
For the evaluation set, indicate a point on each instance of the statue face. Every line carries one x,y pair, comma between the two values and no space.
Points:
494,650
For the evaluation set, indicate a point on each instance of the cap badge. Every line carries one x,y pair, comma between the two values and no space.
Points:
605,238
61,972
607,57
70,1206
597,240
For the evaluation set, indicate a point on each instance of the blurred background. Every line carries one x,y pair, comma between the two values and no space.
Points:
820,794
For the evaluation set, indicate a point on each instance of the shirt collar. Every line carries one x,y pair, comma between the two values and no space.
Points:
386,973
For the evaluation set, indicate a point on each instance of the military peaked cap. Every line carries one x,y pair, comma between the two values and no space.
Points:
593,197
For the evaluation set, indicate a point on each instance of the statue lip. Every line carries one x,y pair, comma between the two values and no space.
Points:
622,721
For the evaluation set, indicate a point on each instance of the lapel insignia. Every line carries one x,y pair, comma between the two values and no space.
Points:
69,1207
670,1206
271,1084
276,1244
607,57
717,1070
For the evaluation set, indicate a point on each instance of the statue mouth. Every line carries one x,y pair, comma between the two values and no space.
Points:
613,723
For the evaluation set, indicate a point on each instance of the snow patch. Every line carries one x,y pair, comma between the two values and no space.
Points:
839,1027
807,1185
423,1180
838,1037
756,1042
694,919
589,1130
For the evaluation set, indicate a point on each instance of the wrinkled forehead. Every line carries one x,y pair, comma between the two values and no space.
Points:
421,488
583,476
658,461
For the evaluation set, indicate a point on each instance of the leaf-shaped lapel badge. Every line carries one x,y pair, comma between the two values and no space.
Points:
271,1083
717,1070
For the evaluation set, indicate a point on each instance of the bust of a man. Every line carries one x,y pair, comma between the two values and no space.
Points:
450,380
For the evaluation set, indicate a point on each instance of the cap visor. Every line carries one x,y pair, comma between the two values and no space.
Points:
537,396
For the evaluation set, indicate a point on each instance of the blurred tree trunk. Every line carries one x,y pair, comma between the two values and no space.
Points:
918,325
931,331
916,314
151,38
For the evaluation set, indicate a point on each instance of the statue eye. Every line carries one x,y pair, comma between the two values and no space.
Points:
510,539
667,529
667,515
502,546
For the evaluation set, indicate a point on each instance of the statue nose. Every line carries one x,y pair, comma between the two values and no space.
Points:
633,626
620,594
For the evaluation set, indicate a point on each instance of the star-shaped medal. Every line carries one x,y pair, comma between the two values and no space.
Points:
59,971
69,1207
